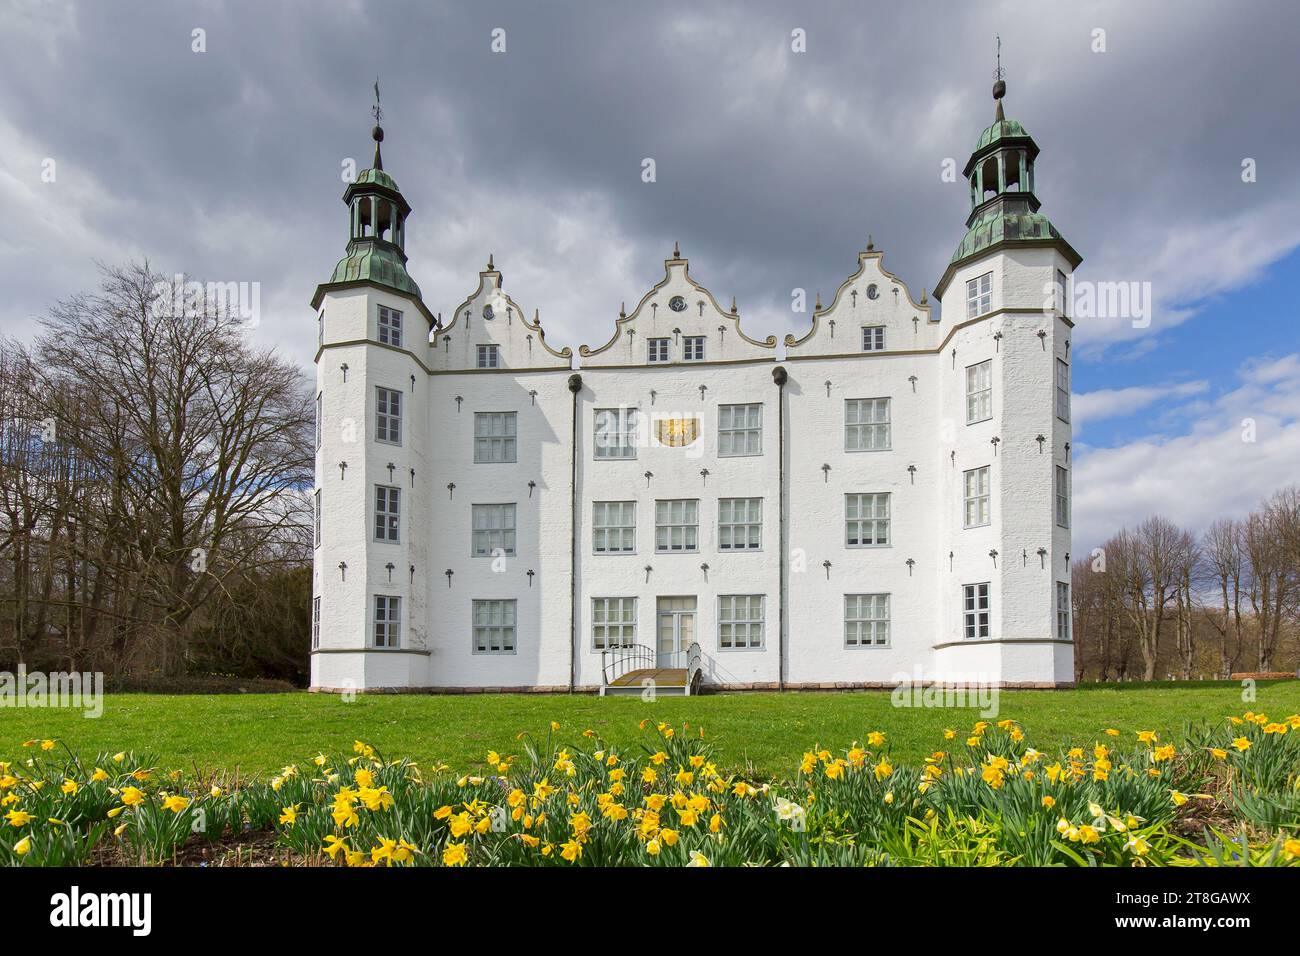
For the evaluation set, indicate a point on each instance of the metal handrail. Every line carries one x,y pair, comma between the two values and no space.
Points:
694,667
617,661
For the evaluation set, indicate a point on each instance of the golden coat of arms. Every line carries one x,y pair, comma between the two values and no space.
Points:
677,432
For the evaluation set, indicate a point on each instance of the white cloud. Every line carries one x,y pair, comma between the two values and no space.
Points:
1121,402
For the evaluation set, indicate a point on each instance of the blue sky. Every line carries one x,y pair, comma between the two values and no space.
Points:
773,168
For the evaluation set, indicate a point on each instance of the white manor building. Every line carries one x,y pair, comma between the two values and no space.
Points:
891,499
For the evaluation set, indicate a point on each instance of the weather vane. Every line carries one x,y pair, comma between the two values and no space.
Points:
379,113
998,74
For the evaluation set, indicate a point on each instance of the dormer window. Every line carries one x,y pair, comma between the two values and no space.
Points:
657,350
489,356
979,295
693,348
390,327
873,338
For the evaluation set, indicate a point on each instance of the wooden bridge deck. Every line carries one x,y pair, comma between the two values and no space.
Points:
661,676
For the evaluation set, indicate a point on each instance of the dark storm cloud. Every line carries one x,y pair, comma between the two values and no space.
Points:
773,167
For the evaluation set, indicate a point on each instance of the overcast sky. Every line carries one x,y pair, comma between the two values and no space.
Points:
772,168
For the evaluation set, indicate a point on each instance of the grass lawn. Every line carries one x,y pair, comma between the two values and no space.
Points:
765,733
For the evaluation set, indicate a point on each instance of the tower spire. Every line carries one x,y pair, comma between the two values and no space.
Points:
378,132
999,81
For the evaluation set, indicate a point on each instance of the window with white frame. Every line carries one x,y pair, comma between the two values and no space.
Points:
388,621
390,326
693,348
677,525
494,530
315,623
1062,287
494,627
979,295
316,533
613,622
1062,497
979,392
488,356
388,513
975,497
1062,611
658,350
495,437
1062,390
613,527
866,520
873,338
975,611
740,621
617,432
740,524
388,416
319,412
866,424
866,620
740,430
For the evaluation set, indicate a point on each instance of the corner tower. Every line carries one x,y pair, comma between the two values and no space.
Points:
1005,373
370,572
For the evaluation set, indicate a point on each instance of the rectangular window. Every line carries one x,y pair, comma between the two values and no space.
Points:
740,621
1062,287
315,623
979,295
866,620
316,537
873,338
740,430
613,622
1062,497
975,611
388,513
390,326
740,524
657,350
613,527
1062,390
319,413
388,416
866,424
388,620
979,392
320,328
693,348
677,525
494,627
494,437
975,511
1062,611
494,530
866,520
617,432
489,356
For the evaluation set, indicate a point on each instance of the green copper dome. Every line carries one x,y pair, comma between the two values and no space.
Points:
1001,129
378,262
376,177
997,223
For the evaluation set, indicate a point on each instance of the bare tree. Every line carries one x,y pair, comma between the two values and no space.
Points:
1185,560
1225,566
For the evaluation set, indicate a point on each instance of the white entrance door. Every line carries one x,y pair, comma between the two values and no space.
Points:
676,630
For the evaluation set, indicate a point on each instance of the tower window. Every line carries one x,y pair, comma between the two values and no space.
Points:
316,533
315,623
979,295
979,392
866,520
975,510
975,611
319,411
388,621
388,416
388,514
1062,390
657,350
494,627
489,356
1062,611
1062,497
390,327
693,348
873,338
494,530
